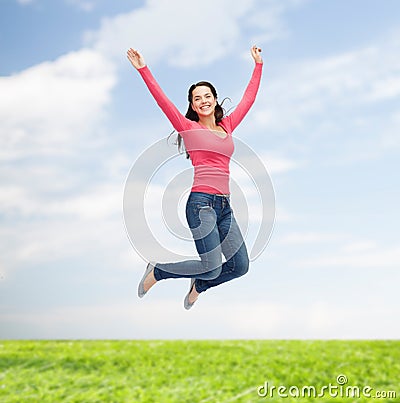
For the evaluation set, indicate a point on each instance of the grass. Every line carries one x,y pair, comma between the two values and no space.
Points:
192,371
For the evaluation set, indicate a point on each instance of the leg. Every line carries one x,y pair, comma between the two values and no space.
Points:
234,250
202,221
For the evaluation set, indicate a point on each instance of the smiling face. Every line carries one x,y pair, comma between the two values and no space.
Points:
203,101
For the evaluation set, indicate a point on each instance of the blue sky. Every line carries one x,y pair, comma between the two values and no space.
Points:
75,116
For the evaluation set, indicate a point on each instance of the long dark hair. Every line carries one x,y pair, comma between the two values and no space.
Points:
219,112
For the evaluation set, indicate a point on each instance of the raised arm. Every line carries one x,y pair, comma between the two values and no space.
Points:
178,121
249,96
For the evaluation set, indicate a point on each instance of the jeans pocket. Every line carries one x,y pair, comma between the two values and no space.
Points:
193,209
201,216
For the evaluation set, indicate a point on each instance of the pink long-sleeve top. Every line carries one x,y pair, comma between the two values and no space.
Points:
209,152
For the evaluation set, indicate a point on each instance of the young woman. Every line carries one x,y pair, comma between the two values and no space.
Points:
207,135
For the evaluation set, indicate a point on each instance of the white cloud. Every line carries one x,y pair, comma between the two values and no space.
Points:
322,100
50,215
23,2
164,318
267,17
96,202
84,5
344,251
50,116
299,238
277,164
350,79
360,246
389,135
100,244
49,107
283,215
359,254
194,33
352,322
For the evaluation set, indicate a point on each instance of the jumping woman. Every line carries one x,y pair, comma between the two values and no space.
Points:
207,135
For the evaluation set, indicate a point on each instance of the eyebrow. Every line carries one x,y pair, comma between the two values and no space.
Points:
207,93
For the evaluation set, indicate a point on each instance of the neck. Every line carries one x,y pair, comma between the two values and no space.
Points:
208,121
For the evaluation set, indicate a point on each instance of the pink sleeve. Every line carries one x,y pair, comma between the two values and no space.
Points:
178,121
249,96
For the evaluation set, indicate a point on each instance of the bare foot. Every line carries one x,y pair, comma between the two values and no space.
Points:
193,295
149,281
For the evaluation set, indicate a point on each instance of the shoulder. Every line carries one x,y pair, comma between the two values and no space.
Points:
227,124
188,126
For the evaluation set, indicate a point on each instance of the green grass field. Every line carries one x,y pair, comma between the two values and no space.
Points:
198,371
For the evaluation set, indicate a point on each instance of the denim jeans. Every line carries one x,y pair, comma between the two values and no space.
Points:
215,233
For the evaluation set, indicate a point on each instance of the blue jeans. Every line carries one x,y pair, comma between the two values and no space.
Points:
215,232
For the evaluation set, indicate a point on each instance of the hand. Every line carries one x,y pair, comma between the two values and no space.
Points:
136,58
255,52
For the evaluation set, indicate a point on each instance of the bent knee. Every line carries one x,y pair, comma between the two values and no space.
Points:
242,266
